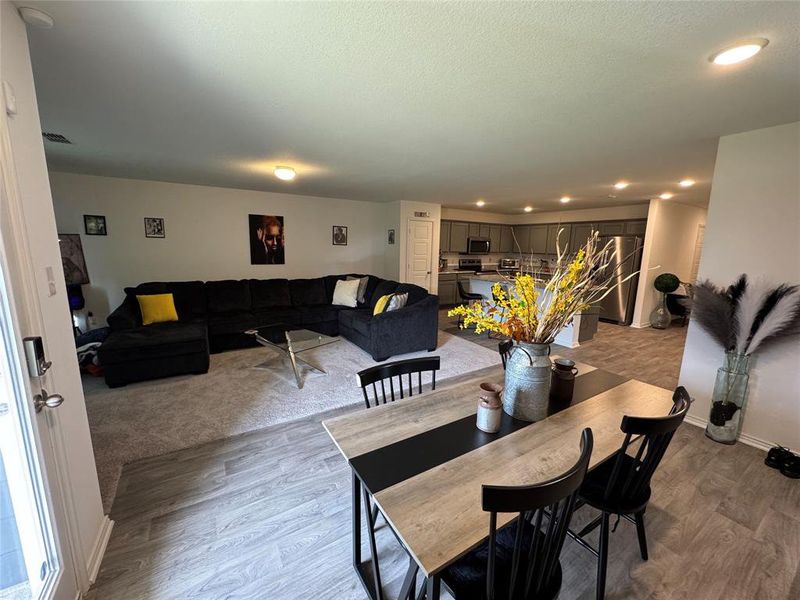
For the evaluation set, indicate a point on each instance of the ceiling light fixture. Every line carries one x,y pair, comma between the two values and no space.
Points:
686,182
528,208
621,185
738,52
285,173
480,203
666,195
565,199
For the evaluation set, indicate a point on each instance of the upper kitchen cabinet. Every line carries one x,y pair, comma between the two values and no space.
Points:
444,236
506,239
553,239
611,228
580,235
459,232
494,238
523,235
485,231
474,230
635,227
538,243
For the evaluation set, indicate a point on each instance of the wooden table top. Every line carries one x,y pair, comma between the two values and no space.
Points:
424,460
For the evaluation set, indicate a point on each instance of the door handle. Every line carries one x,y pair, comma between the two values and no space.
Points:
44,399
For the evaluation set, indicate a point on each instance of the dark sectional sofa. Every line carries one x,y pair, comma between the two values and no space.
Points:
213,316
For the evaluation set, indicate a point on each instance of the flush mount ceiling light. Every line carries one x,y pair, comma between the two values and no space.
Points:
686,182
285,173
621,185
666,195
528,208
565,199
738,52
480,203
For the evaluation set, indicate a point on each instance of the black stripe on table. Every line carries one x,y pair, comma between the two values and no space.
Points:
384,467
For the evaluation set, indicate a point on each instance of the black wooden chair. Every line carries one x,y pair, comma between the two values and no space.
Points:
621,485
504,348
521,560
466,297
377,377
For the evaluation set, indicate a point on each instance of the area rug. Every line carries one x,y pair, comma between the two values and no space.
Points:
156,417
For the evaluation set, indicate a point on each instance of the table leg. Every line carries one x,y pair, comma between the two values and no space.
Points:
434,587
356,522
296,372
373,546
409,583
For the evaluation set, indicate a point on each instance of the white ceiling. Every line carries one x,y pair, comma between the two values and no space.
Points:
518,103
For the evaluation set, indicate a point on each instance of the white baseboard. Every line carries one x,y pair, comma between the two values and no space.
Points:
743,437
99,548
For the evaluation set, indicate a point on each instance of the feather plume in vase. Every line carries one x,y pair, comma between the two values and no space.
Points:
745,313
713,311
780,318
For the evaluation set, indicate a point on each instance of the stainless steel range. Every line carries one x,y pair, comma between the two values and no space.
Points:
470,264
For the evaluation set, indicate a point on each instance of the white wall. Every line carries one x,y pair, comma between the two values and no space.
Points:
68,425
207,233
753,227
669,244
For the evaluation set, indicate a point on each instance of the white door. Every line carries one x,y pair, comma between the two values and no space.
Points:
420,252
37,562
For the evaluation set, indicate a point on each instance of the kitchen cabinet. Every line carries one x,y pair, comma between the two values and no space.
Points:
538,241
523,235
553,239
506,239
474,230
635,227
448,293
444,236
611,228
459,232
580,235
485,231
495,232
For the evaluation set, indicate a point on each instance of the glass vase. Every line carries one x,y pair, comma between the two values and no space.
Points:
660,318
730,395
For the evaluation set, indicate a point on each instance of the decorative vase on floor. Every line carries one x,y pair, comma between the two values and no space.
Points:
660,317
527,386
730,395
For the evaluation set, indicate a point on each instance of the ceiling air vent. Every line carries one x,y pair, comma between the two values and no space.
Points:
55,137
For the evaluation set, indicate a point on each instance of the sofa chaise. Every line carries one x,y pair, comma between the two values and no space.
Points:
213,316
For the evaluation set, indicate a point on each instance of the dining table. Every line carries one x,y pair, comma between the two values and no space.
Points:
422,461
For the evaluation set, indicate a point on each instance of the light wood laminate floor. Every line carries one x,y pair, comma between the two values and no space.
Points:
266,515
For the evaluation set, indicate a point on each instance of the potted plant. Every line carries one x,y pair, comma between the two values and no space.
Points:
531,311
742,319
666,283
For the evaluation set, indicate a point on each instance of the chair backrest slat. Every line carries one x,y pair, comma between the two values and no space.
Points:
376,376
534,562
504,348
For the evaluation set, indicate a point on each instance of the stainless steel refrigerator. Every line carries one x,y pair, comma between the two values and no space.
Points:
617,307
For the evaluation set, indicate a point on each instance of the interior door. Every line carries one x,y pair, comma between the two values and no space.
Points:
420,252
37,561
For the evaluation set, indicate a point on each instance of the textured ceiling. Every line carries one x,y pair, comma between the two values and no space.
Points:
517,103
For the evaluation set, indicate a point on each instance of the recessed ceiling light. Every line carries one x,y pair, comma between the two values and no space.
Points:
285,173
480,203
528,208
738,52
686,182
621,185
565,199
666,195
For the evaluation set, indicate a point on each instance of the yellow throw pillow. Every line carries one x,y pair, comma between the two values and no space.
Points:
157,308
380,305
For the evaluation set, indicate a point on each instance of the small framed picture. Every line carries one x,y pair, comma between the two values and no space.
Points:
391,236
94,225
339,235
154,227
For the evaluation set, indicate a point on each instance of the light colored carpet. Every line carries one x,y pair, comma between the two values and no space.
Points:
156,417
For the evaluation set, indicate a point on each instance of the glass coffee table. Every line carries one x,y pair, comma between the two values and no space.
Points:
297,340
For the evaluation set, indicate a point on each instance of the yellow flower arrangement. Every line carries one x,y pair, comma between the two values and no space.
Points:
526,313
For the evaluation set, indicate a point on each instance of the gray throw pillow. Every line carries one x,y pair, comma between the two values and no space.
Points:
397,302
362,287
